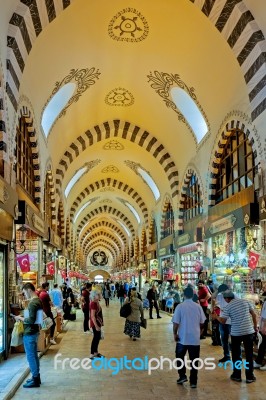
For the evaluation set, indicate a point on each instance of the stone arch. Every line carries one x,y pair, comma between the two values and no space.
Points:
102,233
107,225
113,183
191,170
51,185
102,272
98,242
107,210
124,130
232,121
25,113
3,134
166,202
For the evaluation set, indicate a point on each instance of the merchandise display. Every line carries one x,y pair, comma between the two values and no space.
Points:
191,265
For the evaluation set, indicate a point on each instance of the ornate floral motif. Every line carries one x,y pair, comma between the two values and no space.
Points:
128,26
113,145
162,83
92,164
110,168
119,97
107,189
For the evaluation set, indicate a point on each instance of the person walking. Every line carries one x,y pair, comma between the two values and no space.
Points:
106,294
204,295
188,322
57,297
262,348
243,326
121,293
85,305
152,297
96,322
47,303
132,324
31,334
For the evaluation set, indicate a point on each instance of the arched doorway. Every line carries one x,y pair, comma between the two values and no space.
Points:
98,278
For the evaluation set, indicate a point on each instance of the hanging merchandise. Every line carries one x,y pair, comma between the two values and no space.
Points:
253,259
50,268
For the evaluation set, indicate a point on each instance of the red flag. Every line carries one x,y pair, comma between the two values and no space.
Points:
50,268
63,273
24,262
253,259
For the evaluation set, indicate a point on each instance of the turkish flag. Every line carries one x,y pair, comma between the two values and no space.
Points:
24,262
253,259
50,268
63,273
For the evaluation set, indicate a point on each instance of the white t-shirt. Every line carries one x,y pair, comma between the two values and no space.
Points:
189,315
222,304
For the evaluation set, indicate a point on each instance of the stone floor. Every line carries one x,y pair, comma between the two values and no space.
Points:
104,384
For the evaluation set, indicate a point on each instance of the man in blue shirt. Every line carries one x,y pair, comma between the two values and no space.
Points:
57,296
188,322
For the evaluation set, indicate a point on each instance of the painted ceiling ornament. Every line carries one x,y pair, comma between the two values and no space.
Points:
128,26
105,201
162,83
119,97
110,168
92,164
99,258
113,145
107,189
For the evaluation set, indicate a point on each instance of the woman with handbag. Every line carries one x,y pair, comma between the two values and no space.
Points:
132,324
96,323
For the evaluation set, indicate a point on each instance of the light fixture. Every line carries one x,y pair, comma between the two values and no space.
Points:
21,240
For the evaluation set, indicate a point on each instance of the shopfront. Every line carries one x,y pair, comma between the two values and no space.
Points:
51,247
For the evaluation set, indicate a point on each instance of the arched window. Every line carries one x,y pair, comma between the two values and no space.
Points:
154,236
168,223
192,199
24,166
47,202
237,169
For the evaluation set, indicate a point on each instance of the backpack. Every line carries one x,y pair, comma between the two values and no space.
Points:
125,310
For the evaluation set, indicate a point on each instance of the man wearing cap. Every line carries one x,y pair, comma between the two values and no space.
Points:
188,321
243,326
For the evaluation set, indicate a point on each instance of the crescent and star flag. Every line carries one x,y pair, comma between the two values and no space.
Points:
253,259
24,262
50,268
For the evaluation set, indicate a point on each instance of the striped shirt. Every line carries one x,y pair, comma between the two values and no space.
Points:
239,312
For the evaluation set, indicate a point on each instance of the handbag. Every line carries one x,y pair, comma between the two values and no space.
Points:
47,323
125,310
143,323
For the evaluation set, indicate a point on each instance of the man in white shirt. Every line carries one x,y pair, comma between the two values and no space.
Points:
262,348
243,326
188,322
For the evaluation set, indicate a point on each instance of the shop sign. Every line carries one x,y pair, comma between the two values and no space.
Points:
162,251
154,268
223,224
183,239
38,223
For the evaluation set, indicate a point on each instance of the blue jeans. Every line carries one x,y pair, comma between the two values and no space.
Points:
193,352
225,330
30,346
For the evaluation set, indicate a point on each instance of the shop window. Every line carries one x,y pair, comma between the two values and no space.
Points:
237,169
47,202
168,223
24,165
192,199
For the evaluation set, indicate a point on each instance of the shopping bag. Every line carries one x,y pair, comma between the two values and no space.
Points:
47,323
17,334
125,310
143,323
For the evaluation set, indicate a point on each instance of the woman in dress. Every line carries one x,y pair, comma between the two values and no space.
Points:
96,322
132,325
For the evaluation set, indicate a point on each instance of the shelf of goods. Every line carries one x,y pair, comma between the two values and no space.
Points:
190,266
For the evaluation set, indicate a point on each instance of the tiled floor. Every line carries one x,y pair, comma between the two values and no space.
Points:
102,384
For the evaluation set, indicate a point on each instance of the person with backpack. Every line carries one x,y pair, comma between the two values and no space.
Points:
132,324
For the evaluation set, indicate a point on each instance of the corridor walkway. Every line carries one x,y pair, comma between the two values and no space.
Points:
156,341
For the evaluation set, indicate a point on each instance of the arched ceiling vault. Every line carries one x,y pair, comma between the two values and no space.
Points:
124,62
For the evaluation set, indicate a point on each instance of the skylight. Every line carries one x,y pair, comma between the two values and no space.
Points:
80,210
191,112
74,180
132,209
150,182
124,227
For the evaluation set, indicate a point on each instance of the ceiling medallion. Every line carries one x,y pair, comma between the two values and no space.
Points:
84,78
119,97
113,145
110,168
107,189
128,26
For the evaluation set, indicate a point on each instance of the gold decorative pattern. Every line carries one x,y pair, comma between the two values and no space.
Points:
92,164
106,201
163,82
110,168
107,189
119,97
128,26
113,145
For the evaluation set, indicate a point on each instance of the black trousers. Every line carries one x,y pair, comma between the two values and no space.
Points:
193,352
262,350
86,320
236,353
52,329
206,323
155,305
95,341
